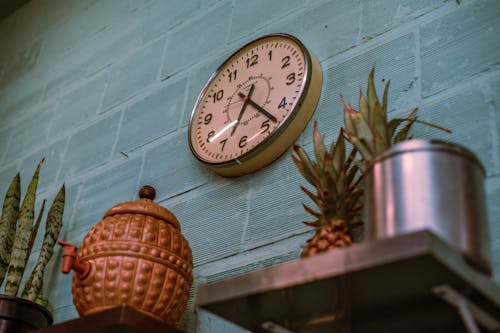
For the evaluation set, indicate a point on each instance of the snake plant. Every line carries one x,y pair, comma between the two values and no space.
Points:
18,230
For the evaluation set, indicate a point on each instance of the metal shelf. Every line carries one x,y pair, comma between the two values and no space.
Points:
380,286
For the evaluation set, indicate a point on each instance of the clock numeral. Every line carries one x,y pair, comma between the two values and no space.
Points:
218,95
285,62
223,143
265,126
282,103
210,135
290,79
270,54
207,119
232,75
243,141
252,61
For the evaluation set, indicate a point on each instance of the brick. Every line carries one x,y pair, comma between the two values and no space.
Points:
133,74
20,107
459,45
262,12
73,26
196,40
90,147
64,77
492,95
171,167
110,46
67,312
21,64
379,17
29,132
101,192
53,155
208,322
213,221
155,115
78,106
493,197
161,16
279,218
5,134
465,113
394,61
249,261
325,30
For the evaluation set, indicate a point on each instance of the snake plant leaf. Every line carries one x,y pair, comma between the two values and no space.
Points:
53,226
36,226
20,247
8,223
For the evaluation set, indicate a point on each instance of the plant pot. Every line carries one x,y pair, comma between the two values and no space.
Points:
18,315
433,185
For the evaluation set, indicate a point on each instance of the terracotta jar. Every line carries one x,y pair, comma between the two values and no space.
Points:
136,255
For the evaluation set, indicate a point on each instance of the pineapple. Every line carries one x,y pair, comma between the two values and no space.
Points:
338,194
369,130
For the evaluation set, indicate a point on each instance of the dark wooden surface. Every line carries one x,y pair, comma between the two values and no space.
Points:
121,319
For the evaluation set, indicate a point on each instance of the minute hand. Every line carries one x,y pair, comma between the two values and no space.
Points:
258,108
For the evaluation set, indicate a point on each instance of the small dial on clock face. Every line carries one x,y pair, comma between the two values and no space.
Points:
249,97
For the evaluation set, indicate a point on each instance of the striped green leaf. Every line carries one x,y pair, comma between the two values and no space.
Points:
21,241
53,225
8,223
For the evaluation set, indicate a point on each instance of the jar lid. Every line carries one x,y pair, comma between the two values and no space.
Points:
145,206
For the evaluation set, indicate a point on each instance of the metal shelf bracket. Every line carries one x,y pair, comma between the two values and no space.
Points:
469,311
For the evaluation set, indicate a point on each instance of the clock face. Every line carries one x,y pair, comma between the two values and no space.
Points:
250,102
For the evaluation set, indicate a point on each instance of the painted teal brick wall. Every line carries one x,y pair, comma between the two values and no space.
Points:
104,89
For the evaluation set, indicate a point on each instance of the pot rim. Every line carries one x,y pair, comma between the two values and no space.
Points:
19,300
434,145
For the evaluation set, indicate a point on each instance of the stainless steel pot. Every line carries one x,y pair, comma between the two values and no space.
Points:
433,185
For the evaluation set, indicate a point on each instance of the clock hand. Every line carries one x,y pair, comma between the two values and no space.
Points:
243,107
258,107
222,131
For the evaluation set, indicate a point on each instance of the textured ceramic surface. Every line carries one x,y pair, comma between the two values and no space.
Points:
138,257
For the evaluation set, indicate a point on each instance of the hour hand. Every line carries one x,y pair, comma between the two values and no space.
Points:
243,107
258,107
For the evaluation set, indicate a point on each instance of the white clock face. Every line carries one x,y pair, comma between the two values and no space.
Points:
249,99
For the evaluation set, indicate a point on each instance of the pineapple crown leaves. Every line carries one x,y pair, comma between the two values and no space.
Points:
369,129
335,178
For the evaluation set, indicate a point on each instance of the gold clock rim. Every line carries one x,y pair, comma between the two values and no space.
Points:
261,155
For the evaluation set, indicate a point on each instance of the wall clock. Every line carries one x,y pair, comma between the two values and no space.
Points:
255,105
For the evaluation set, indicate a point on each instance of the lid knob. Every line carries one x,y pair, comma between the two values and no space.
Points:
147,192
